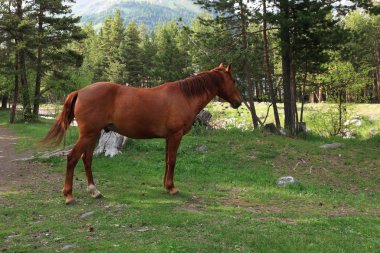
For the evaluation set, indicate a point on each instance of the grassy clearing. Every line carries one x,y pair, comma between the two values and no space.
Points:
317,116
229,201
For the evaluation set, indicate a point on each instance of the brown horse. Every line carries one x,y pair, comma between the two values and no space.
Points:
166,111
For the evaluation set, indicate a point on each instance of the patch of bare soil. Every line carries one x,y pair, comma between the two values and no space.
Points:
282,207
275,219
16,174
195,204
257,208
332,170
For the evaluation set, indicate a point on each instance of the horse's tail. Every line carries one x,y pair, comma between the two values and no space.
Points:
62,122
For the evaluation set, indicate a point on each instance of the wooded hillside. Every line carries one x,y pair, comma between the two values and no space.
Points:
281,51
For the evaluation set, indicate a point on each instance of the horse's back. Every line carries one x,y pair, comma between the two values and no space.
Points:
133,112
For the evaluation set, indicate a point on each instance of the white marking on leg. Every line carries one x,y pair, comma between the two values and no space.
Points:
93,191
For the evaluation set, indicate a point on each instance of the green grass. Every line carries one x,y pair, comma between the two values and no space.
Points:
229,201
317,117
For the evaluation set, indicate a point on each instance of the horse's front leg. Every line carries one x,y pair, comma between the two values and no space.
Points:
172,144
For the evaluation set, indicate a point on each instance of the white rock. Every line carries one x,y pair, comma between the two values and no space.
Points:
356,122
334,145
86,214
283,181
69,246
202,149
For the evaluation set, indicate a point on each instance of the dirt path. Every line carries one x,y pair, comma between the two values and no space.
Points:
16,174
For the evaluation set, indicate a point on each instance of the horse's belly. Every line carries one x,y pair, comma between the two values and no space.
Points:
141,130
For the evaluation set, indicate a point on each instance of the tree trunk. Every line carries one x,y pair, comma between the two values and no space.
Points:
110,143
24,86
377,78
22,68
37,89
12,115
320,94
340,113
374,87
251,107
302,96
4,102
286,67
257,90
268,74
247,72
293,88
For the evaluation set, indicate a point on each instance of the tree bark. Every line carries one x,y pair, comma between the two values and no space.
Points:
246,69
37,89
4,102
22,67
320,94
293,89
110,143
377,78
268,74
12,115
286,67
302,96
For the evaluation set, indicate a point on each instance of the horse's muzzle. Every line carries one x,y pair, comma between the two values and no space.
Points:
235,104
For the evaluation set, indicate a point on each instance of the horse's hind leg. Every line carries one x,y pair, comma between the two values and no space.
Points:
72,160
87,162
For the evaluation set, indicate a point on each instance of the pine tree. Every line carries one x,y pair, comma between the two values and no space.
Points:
363,47
131,54
149,51
93,57
111,37
16,25
235,16
169,59
55,29
6,64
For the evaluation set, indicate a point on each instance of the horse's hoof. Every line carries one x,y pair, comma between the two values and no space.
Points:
173,191
94,192
70,202
97,195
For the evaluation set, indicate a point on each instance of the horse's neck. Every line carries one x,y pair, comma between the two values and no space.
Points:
200,102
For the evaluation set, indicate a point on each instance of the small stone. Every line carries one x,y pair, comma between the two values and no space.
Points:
348,134
69,246
86,214
283,181
145,229
334,145
202,149
271,128
12,236
356,122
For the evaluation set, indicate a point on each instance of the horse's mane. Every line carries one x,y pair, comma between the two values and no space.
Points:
204,82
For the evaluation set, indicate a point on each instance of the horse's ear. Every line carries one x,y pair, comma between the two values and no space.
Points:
229,68
221,65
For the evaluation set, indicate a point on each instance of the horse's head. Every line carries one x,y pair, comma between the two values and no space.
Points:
227,89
